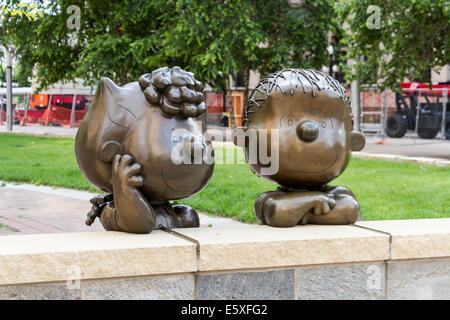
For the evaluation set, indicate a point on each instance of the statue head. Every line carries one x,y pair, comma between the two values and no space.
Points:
312,114
155,120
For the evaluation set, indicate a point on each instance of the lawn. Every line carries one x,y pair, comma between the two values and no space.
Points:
385,190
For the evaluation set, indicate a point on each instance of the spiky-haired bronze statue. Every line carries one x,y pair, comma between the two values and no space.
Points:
127,143
312,114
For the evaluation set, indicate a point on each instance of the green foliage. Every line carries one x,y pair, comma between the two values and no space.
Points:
213,39
385,190
113,39
217,38
16,19
413,35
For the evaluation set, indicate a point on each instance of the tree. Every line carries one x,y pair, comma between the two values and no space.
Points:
393,40
215,39
90,39
212,38
14,21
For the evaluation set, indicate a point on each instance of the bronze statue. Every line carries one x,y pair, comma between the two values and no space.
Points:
127,143
312,114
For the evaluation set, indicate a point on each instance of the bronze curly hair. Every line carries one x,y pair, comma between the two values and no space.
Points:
175,91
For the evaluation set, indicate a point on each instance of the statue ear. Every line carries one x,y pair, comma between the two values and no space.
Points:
108,84
358,140
108,150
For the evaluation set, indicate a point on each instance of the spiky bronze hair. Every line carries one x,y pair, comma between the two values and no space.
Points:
289,79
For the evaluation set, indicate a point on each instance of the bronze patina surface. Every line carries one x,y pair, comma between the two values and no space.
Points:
126,143
312,114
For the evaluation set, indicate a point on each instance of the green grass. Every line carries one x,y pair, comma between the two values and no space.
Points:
40,160
385,190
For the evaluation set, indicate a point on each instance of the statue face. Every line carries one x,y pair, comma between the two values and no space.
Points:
157,143
314,136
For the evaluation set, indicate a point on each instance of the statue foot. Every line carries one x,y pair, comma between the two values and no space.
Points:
177,216
98,203
187,216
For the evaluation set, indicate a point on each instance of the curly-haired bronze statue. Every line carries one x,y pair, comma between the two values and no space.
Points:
126,145
313,115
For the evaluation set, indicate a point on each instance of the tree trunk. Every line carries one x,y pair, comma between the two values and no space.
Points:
247,82
229,101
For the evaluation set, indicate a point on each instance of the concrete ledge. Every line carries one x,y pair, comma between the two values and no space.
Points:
415,239
92,255
408,259
254,246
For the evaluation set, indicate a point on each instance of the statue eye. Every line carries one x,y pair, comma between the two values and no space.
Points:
323,124
286,122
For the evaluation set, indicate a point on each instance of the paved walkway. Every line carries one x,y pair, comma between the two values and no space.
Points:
36,129
27,209
410,147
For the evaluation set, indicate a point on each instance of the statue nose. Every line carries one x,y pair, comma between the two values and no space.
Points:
307,130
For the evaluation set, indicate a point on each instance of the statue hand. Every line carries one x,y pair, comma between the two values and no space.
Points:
322,204
125,173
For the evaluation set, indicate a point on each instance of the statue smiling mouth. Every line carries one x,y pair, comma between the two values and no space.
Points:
177,188
315,171
185,186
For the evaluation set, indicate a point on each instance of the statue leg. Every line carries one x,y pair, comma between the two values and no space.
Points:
346,211
130,211
289,208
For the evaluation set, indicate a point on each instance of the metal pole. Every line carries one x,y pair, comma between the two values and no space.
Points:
444,111
1,110
383,114
48,110
27,101
356,107
417,117
9,111
72,113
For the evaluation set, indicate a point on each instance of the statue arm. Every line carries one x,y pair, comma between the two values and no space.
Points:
131,211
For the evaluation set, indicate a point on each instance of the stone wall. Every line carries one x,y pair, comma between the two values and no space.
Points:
408,259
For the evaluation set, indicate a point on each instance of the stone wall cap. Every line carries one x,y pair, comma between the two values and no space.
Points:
409,227
92,255
257,246
415,239
98,255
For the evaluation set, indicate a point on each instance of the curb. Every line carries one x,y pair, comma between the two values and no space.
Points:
397,158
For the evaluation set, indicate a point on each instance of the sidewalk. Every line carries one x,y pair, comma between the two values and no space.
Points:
410,147
35,129
29,209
